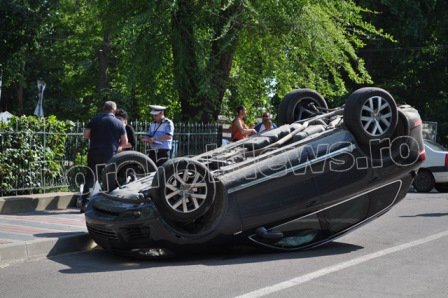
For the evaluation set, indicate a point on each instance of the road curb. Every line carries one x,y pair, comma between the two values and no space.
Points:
26,250
37,202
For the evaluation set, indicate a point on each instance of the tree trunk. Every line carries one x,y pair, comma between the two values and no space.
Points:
224,45
103,59
201,91
185,66
19,92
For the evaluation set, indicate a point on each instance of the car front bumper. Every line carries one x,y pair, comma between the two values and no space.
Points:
120,225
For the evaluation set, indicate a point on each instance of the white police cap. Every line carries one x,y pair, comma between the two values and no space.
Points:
156,109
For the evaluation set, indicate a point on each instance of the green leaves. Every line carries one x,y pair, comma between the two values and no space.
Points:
413,68
32,151
301,44
198,57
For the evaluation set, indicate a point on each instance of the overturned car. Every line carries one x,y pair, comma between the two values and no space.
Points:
321,174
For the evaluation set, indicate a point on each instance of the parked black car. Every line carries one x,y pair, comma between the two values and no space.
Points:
321,174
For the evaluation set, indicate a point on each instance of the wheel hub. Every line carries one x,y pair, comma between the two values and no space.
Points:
376,115
183,188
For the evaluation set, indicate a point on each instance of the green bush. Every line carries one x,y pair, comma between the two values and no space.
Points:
32,151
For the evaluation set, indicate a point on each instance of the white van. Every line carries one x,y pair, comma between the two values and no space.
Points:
434,170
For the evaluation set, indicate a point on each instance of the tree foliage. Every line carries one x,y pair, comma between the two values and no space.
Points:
415,67
201,58
216,54
29,155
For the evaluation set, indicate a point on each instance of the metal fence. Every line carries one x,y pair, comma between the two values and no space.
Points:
189,139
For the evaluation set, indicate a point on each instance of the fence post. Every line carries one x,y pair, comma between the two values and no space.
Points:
45,149
219,135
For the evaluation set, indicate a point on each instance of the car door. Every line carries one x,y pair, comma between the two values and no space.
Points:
342,170
274,189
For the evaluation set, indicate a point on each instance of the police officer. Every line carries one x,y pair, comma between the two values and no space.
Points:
159,136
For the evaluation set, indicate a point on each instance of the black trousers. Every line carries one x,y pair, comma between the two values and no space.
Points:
96,164
159,156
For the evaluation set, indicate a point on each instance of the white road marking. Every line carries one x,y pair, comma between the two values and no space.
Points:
341,266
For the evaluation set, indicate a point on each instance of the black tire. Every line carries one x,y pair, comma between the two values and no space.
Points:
441,187
124,167
424,181
296,106
371,114
183,190
404,151
283,108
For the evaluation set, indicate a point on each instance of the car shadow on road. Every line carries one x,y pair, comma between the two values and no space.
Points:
98,260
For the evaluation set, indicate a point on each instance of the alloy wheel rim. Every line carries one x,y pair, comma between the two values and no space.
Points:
186,191
376,116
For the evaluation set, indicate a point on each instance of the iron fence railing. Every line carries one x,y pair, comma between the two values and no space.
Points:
189,139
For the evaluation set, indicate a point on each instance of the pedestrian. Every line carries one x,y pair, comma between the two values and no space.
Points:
159,136
107,136
239,128
122,115
266,123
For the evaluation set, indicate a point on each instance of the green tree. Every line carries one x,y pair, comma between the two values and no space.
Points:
19,28
214,49
198,57
414,68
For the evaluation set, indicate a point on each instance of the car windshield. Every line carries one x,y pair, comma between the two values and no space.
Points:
435,146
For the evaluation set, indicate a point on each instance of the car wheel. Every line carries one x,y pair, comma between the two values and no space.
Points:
300,104
125,167
183,190
371,114
424,181
441,187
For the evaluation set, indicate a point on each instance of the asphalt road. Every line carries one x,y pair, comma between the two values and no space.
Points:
402,254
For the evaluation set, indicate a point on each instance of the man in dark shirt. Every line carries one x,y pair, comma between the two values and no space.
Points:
107,136
122,115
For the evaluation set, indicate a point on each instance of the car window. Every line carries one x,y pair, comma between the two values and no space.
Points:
297,233
435,146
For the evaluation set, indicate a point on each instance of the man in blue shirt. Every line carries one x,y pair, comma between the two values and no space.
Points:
160,135
107,136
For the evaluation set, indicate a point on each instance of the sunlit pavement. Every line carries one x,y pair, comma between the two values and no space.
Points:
41,233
